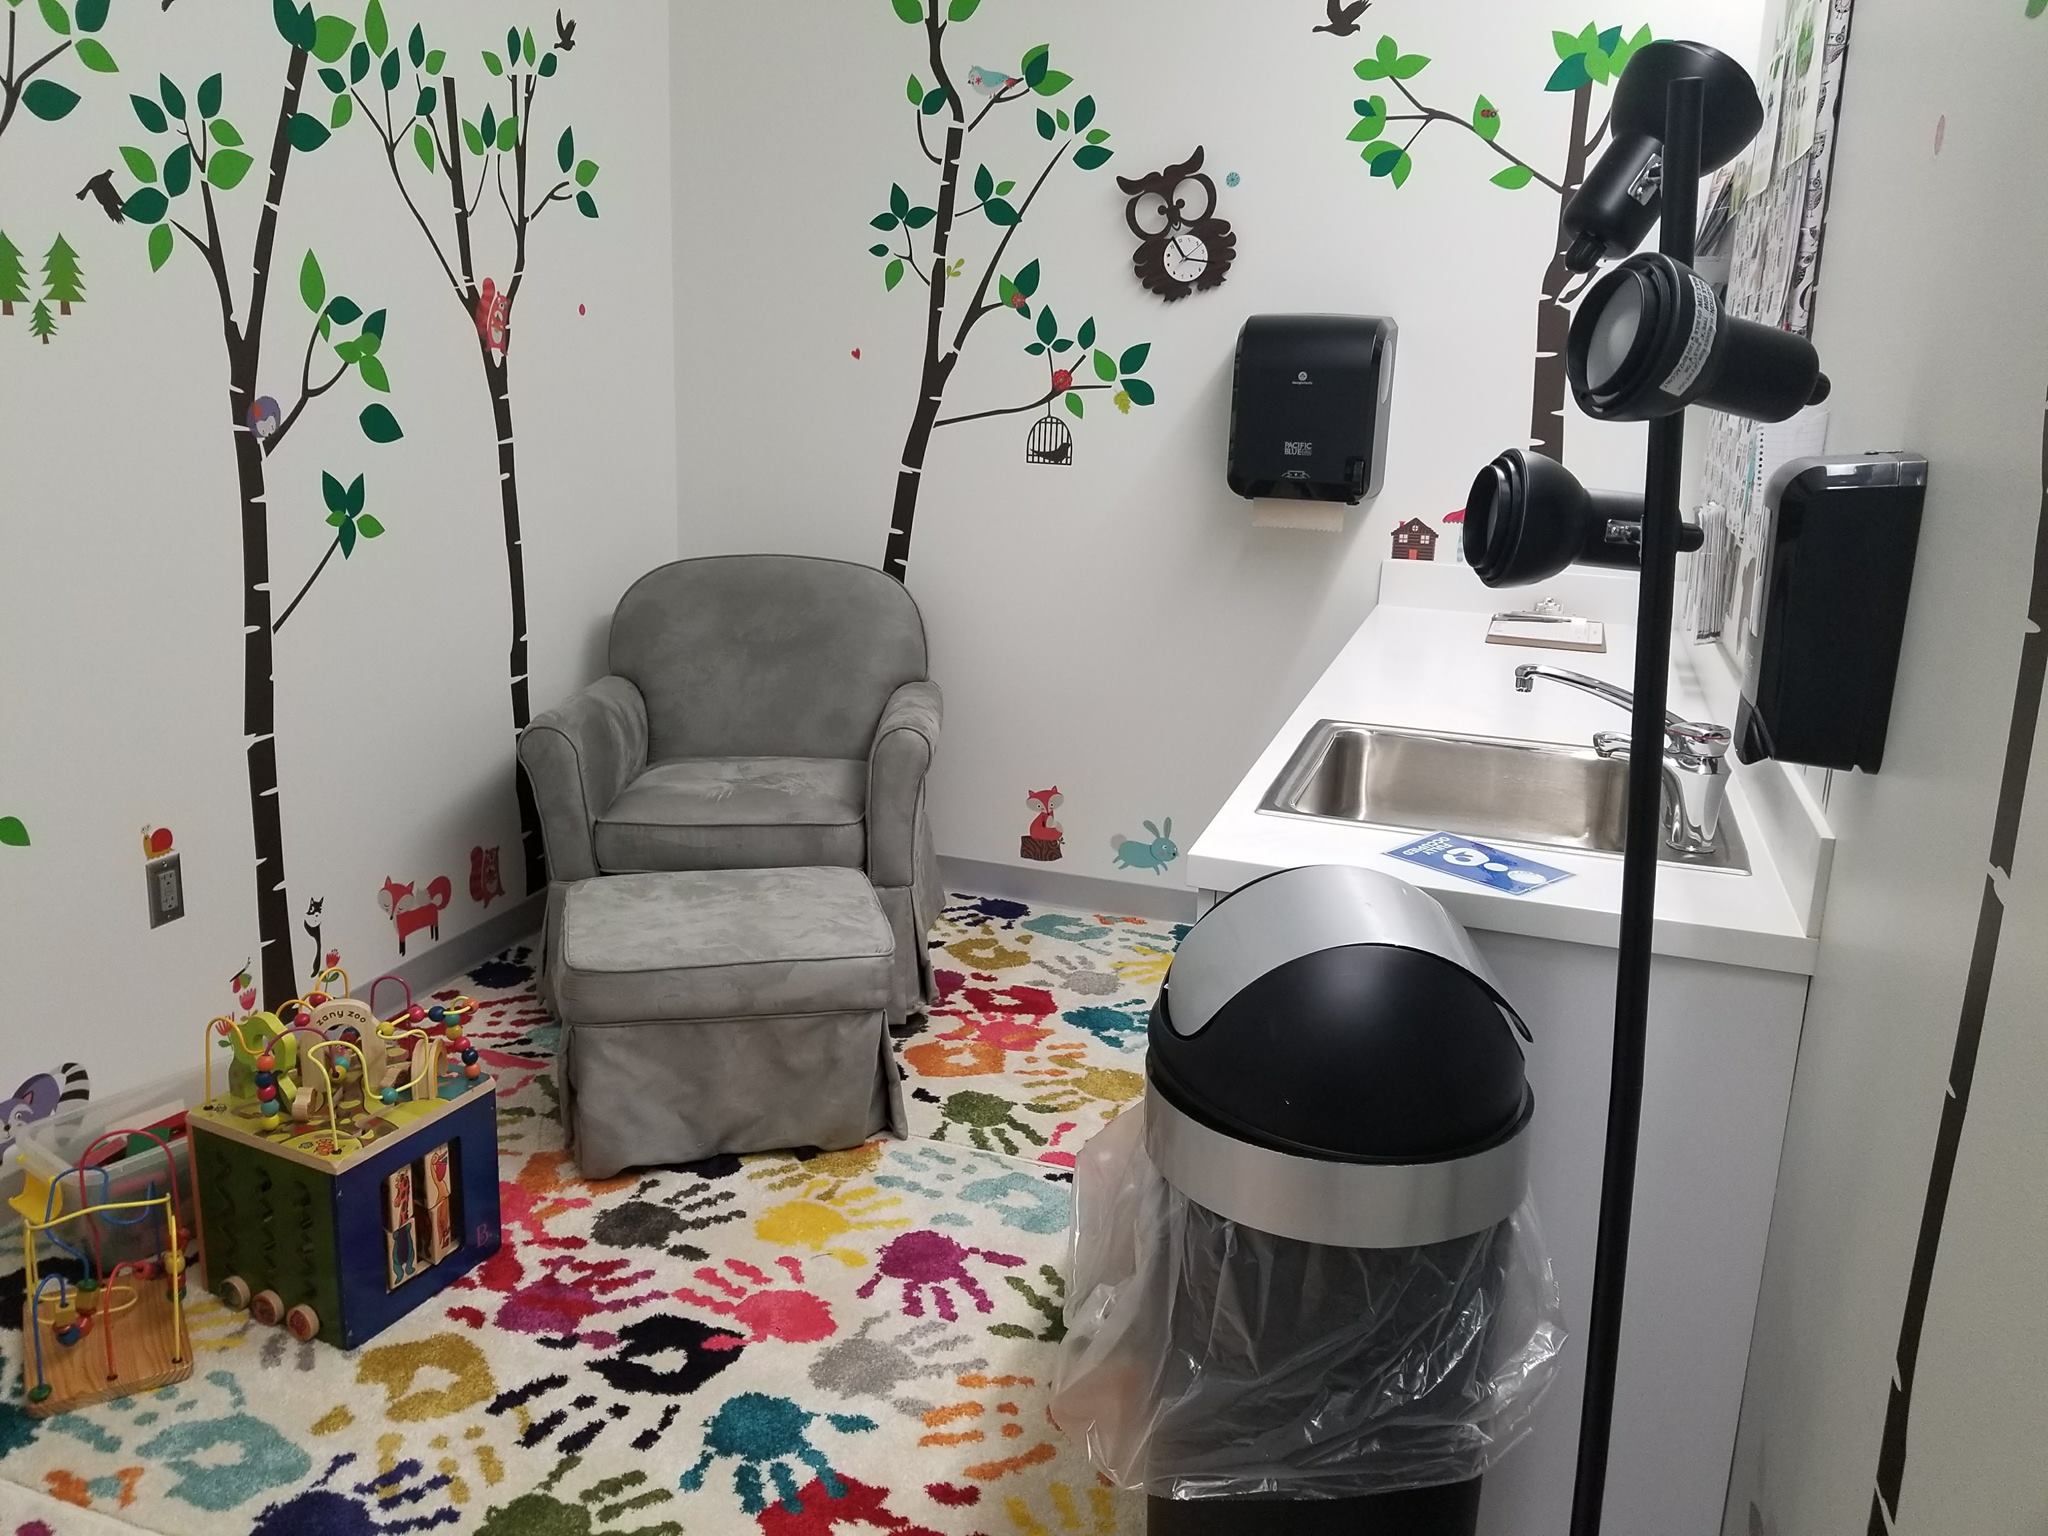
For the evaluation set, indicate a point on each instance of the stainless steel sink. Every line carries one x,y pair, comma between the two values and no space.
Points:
1495,790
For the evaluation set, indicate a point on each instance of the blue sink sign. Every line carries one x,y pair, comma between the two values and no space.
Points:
1450,854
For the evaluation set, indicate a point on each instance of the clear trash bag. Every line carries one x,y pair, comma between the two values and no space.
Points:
1206,1359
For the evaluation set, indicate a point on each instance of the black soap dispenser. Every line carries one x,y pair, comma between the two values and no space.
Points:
1839,541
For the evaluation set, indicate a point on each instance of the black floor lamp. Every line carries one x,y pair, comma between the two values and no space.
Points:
1648,340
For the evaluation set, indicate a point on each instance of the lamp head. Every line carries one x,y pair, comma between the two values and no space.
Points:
1527,518
1622,194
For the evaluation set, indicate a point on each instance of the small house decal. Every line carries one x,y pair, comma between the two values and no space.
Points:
1415,540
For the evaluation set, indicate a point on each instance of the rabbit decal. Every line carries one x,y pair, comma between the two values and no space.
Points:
1136,853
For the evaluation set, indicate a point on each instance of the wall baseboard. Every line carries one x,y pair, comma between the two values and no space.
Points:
1090,893
453,956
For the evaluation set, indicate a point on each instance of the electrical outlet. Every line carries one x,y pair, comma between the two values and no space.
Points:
165,882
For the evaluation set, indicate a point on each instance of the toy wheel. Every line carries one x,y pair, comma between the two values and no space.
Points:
234,1292
267,1307
303,1322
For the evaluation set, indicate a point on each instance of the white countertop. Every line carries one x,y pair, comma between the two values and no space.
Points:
1429,668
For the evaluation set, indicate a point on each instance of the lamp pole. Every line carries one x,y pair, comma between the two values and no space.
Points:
1680,202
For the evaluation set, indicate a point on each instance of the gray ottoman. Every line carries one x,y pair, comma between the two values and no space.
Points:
738,1010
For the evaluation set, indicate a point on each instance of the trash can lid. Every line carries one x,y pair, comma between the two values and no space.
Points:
1339,1013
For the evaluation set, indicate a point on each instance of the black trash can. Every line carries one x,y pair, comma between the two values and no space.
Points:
1335,1312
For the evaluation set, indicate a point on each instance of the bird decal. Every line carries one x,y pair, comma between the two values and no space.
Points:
565,33
492,308
1343,18
991,82
101,190
264,417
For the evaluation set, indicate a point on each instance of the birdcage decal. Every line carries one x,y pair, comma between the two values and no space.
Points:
1050,442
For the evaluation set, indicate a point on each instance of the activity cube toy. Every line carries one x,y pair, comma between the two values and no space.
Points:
343,1179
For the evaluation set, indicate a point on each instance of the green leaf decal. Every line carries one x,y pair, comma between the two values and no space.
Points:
1513,177
344,108
146,205
1036,349
493,63
878,250
225,133
54,17
1402,167
1048,327
376,32
1370,69
48,100
1084,338
312,283
1565,44
527,48
1053,83
508,134
92,15
934,101
1027,279
473,138
1046,130
160,241
885,222
917,218
1409,65
1037,65
333,493
586,205
1074,404
139,164
548,65
352,502
178,171
12,833
1000,212
344,310
331,37
429,98
914,90
1134,359
209,96
1486,119
984,184
387,73
169,94
910,11
1105,367
423,144
1004,188
1139,391
1091,157
1570,75
892,275
359,61
899,200
92,53
226,167
1095,136
307,133
368,526
565,149
416,48
345,536
487,126
1084,112
960,10
373,324
379,425
1385,157
435,59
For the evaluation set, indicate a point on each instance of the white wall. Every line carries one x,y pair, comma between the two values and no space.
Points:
1931,327
1118,628
120,617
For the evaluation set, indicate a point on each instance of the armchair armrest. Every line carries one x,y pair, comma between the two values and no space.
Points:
906,739
578,757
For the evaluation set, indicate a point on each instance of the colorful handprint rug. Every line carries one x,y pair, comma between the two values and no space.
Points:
851,1342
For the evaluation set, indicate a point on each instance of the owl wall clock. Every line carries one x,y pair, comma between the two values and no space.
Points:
1183,247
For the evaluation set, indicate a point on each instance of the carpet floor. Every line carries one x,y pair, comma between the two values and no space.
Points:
847,1342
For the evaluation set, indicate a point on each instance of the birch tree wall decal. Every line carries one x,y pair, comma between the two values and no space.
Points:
1590,57
412,106
23,83
1075,140
207,156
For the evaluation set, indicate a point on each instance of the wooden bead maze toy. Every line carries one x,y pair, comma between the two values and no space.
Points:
120,1328
350,1171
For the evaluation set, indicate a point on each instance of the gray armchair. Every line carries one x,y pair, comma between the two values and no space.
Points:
761,711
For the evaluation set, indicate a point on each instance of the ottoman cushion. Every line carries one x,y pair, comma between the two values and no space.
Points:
712,944
723,1011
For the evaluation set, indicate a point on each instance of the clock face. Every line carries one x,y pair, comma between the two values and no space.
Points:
1186,257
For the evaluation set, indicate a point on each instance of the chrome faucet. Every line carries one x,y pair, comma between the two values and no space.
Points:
1695,777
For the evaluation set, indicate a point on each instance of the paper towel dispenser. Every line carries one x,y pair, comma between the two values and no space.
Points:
1308,406
1839,537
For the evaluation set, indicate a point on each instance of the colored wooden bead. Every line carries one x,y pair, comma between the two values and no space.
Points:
315,999
266,1062
472,1070
415,1013
437,1013
469,1056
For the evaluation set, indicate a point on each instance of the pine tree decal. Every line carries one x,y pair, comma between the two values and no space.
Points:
63,278
13,276
40,325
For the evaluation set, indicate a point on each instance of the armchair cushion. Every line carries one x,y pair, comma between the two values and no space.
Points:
736,813
578,757
905,740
